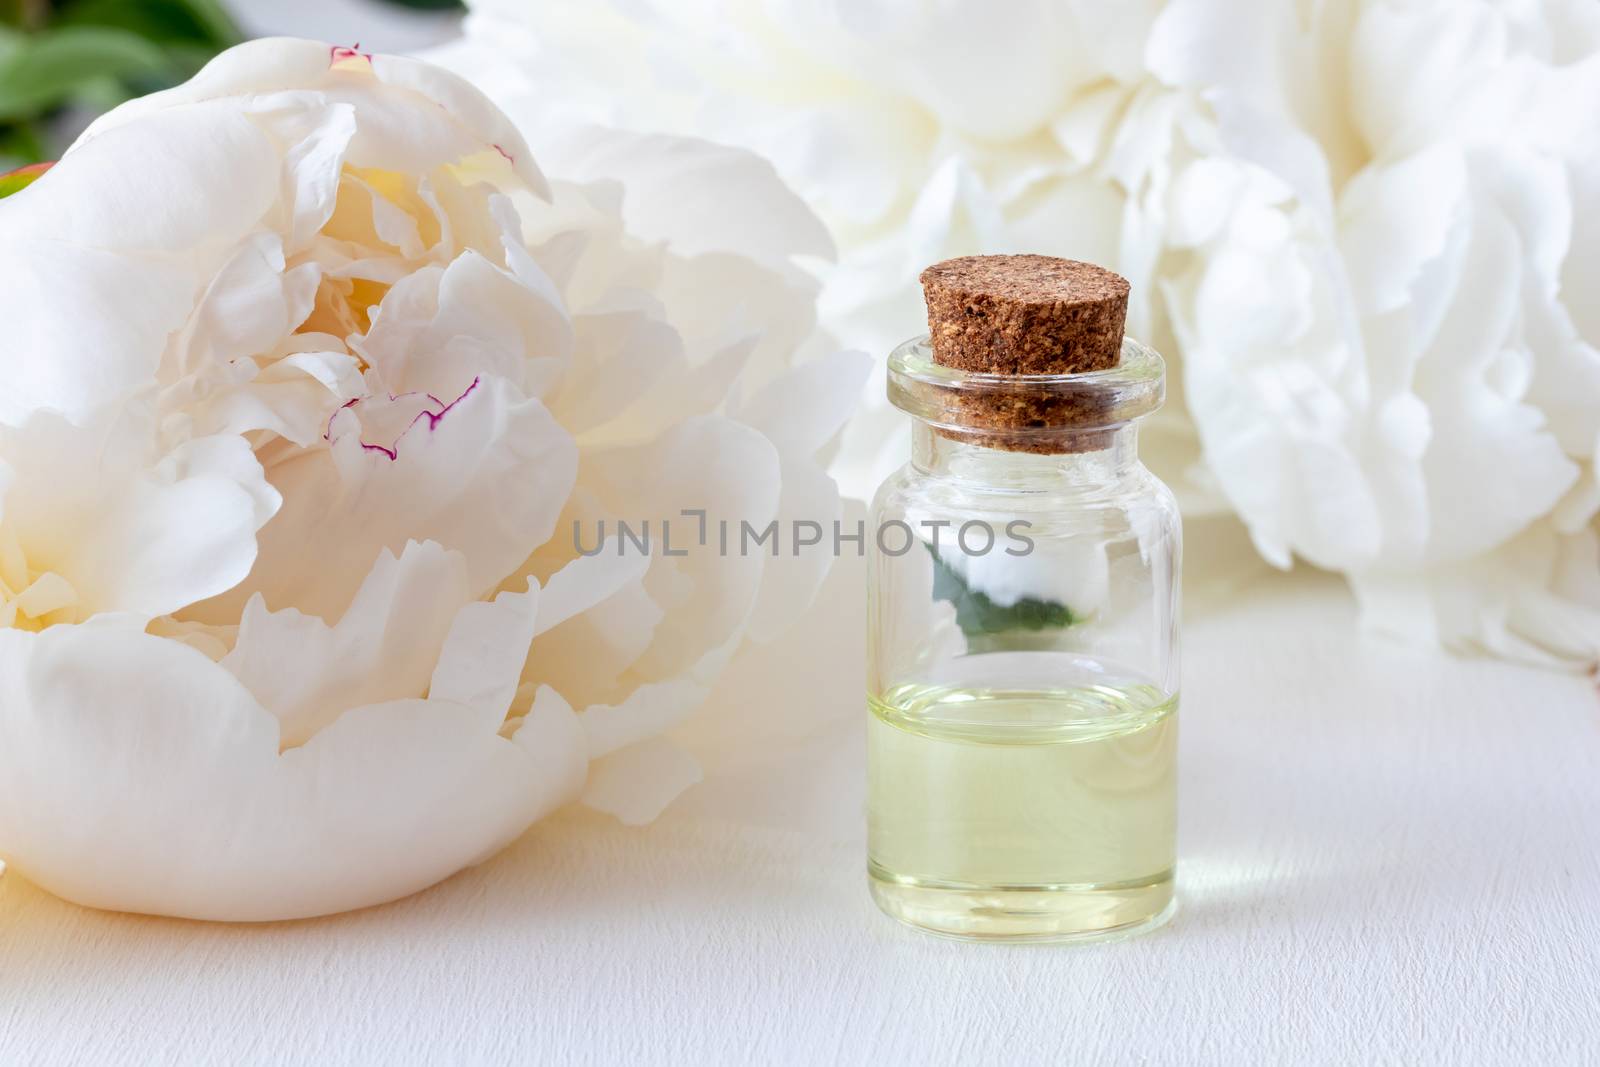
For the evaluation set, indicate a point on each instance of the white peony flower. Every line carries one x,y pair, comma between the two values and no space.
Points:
917,131
1386,347
1359,229
312,373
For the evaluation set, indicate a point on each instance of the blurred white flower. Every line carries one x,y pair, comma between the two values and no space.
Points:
1358,228
917,130
311,373
1387,348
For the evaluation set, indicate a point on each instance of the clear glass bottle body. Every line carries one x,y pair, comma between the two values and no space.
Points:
1023,669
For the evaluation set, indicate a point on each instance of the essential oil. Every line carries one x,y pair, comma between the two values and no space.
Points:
1023,813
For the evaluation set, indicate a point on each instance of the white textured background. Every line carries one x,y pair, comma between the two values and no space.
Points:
1386,857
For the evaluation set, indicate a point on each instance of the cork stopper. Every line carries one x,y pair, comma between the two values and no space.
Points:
1022,316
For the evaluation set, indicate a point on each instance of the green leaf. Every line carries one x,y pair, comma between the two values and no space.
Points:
21,144
19,179
39,72
214,20
24,14
976,614
167,22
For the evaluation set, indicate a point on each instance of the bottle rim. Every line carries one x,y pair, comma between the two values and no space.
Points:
1025,405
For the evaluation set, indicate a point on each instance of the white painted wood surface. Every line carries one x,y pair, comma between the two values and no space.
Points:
1386,857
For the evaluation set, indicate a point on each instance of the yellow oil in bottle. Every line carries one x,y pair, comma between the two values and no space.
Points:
1023,814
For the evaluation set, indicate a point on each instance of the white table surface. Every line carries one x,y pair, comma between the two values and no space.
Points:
1387,856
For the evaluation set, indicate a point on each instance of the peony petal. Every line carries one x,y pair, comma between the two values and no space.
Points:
154,783
132,531
775,307
194,180
250,306
550,736
47,593
809,509
588,581
1395,219
104,229
1491,466
292,396
1412,65
648,711
1541,198
1217,44
252,68
467,105
670,182
438,331
732,472
485,475
1502,603
320,137
698,390
1275,144
1203,196
480,666
925,53
60,359
638,783
458,121
595,621
804,409
627,355
383,648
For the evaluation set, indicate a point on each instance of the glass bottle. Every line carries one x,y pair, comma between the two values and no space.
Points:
1023,657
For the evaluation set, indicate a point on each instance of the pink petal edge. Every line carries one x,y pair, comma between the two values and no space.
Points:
434,418
339,53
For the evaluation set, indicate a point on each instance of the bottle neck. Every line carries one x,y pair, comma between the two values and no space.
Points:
938,456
